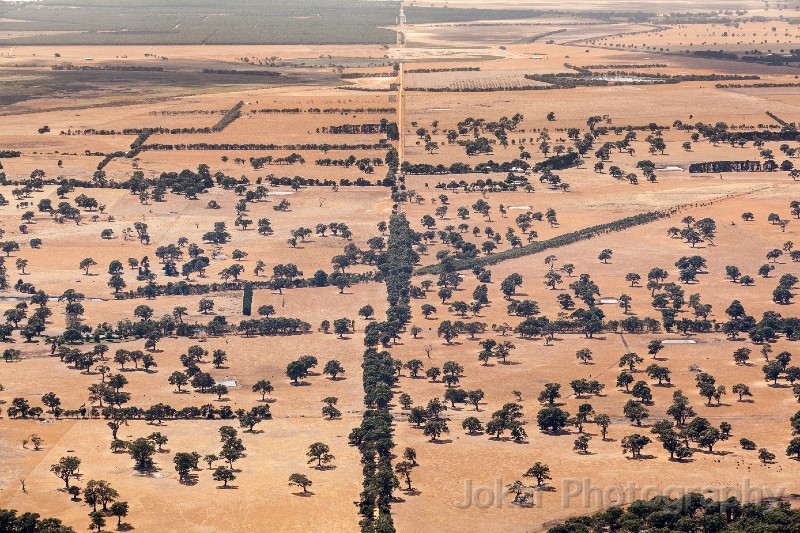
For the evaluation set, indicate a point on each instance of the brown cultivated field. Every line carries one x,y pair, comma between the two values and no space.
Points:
460,481
764,36
654,6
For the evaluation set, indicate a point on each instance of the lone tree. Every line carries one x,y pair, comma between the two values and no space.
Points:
550,393
263,387
142,450
635,444
320,453
179,379
295,371
472,425
584,355
654,347
434,429
300,480
66,468
333,368
86,264
120,510
605,255
404,469
539,471
741,355
630,360
184,463
794,448
603,421
330,410
97,521
766,456
552,419
224,474
635,412
742,390
581,444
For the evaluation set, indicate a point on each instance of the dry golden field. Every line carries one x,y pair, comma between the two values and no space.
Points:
478,82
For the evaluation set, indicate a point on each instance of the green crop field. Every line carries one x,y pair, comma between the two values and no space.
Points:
432,15
21,85
201,22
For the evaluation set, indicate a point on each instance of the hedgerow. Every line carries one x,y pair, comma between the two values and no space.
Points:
116,68
374,437
245,147
266,73
234,113
715,167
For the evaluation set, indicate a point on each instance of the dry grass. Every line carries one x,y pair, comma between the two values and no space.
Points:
262,496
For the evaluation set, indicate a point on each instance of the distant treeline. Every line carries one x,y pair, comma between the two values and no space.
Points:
188,112
777,119
139,131
489,184
776,60
715,54
364,164
753,57
272,325
558,162
758,135
356,75
716,167
136,146
259,162
482,89
108,158
567,80
254,146
117,68
755,85
392,88
229,116
234,113
462,168
30,522
267,73
360,129
330,110
9,153
680,78
585,78
286,181
177,185
619,66
432,70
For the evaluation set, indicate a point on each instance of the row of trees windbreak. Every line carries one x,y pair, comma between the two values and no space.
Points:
536,247
715,167
329,110
262,146
228,118
691,512
374,437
